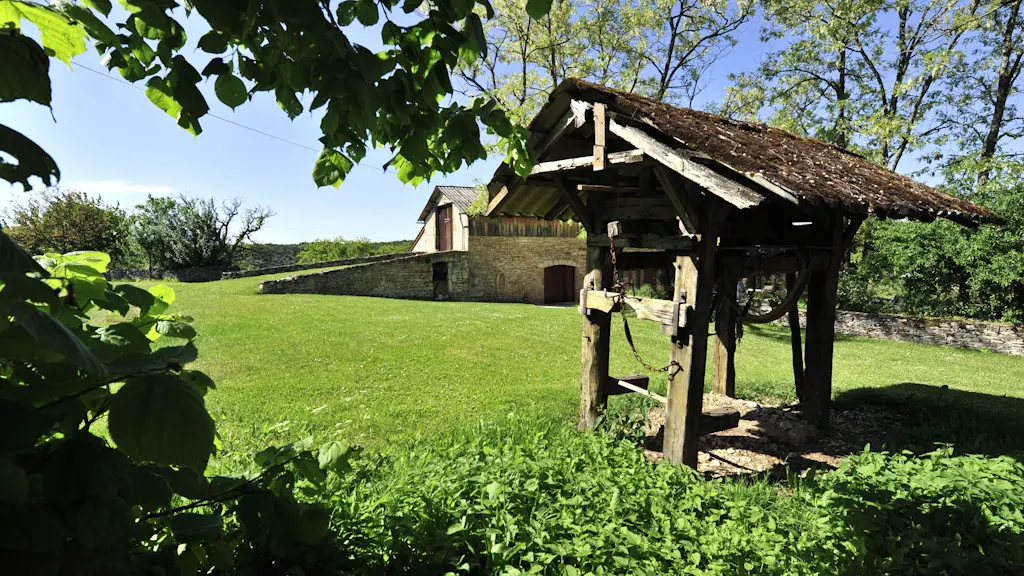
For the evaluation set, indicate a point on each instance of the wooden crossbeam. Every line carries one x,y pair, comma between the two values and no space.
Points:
578,207
660,311
684,244
606,188
684,211
627,157
732,192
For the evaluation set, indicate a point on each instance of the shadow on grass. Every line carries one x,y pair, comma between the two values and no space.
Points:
780,333
973,422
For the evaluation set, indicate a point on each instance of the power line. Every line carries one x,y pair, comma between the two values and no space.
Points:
222,119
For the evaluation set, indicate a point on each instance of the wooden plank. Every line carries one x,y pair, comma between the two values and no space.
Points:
626,157
605,188
723,380
636,380
821,333
795,344
660,311
642,391
594,347
579,209
689,350
732,192
495,204
687,215
600,135
573,118
671,243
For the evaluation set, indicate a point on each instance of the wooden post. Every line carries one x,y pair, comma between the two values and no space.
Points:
690,348
821,333
794,338
600,136
724,379
594,352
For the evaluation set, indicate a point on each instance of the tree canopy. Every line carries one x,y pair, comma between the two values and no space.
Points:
399,97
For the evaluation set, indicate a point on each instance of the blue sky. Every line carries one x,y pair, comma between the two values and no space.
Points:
109,140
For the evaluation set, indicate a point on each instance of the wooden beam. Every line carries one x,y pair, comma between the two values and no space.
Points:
556,210
723,380
497,200
574,118
594,348
605,188
600,135
660,311
821,333
627,157
578,207
794,341
695,280
670,243
634,380
732,192
684,211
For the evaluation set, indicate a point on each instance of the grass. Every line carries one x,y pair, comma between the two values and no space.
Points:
382,372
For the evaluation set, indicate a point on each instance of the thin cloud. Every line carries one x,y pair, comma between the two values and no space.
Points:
117,187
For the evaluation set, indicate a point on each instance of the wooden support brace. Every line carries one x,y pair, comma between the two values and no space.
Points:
795,344
594,350
821,333
600,135
723,380
627,157
577,205
685,212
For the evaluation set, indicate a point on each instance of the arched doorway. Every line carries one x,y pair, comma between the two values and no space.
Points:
559,284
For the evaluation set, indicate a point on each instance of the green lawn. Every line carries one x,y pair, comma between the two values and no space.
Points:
381,372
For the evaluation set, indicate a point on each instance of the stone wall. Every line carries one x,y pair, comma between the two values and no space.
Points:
300,267
511,269
407,276
972,334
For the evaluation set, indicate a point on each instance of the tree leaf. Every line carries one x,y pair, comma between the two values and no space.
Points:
14,260
125,336
331,168
31,160
61,37
93,25
48,331
159,93
334,456
136,297
98,261
161,419
101,6
175,329
230,90
367,12
164,296
538,9
193,527
24,70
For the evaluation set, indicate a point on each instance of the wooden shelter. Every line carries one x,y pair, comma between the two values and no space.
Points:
719,200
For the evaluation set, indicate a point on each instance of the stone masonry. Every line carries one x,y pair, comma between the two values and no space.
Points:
511,269
407,276
972,334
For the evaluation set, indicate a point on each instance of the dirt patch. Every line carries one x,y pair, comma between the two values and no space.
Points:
774,440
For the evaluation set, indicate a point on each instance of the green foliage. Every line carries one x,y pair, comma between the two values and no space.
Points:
253,256
59,220
187,232
942,269
479,206
394,98
75,350
340,249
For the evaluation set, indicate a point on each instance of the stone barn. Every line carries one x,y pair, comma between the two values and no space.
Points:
459,256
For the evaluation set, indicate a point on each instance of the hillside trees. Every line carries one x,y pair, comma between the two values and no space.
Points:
60,220
187,232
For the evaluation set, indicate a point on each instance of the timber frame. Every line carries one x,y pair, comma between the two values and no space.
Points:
656,200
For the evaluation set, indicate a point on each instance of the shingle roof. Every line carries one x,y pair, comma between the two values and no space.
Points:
812,170
460,196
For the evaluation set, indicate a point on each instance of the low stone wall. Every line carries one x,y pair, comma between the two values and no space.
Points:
971,334
300,267
405,276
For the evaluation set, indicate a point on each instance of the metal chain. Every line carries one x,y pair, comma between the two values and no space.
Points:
618,287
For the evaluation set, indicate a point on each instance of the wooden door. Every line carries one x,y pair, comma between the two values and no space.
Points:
444,228
559,284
